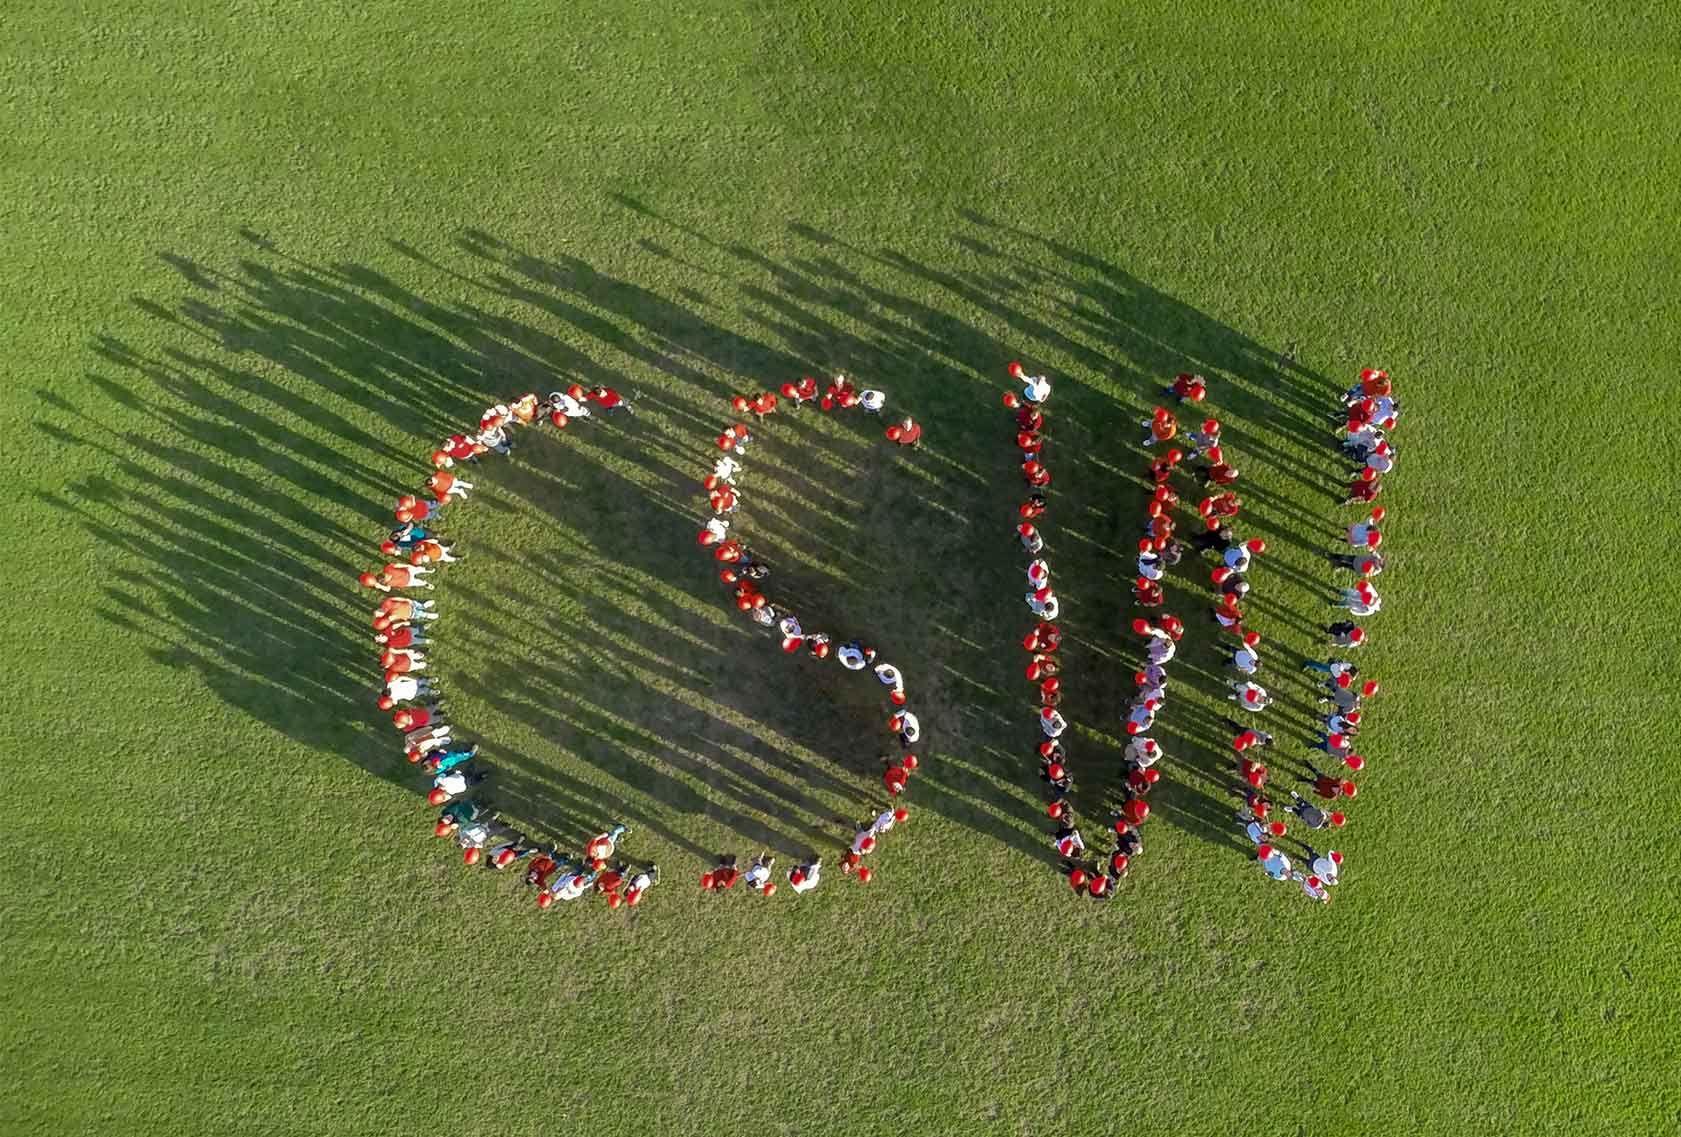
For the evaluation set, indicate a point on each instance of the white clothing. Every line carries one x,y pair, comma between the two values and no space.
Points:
718,528
1045,610
872,401
1359,534
402,688
1150,566
724,469
756,875
1143,752
1155,694
1246,659
852,658
1358,607
1052,724
1340,667
810,873
1038,573
1277,866
858,840
1313,893
1156,675
883,822
1141,715
789,626
909,729
1256,833
1069,845
572,885
1326,869
1366,439
1161,650
474,836
641,882
889,676
568,406
1382,463
452,782
1236,558
1035,388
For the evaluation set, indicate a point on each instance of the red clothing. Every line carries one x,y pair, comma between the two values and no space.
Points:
397,607
605,397
399,637
398,576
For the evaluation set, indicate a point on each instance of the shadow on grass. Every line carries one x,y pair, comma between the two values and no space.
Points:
255,454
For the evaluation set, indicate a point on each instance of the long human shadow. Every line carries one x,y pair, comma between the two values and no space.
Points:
255,457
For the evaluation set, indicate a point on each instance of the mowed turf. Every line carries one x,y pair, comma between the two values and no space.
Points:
256,261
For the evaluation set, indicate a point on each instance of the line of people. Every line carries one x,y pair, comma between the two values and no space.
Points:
402,624
744,572
1369,411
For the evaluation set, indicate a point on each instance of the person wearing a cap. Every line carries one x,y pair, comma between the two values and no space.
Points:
1335,668
1161,426
1346,634
1273,862
805,877
1312,886
1150,565
1365,534
854,656
575,879
405,689
1035,388
1161,650
1358,602
1068,843
1249,695
758,873
1188,388
1245,658
455,781
1327,866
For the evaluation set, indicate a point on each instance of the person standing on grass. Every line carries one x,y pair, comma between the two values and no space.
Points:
1312,816
1188,388
1335,668
1031,540
640,882
1245,658
401,608
405,689
1068,843
1312,886
1346,634
1161,426
1364,535
1249,695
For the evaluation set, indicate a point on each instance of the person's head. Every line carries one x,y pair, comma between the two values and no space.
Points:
367,579
386,702
438,796
1211,426
1338,819
1357,636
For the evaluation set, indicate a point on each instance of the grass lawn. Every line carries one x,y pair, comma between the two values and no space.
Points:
257,259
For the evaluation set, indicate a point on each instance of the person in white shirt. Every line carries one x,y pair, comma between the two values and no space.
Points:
1313,887
567,405
804,878
717,529
1150,566
1236,558
1143,752
725,468
854,656
1250,696
1274,862
406,688
1357,604
1068,843
885,820
872,400
1044,604
1142,716
572,883
1364,534
890,676
1246,657
1038,573
1326,866
1052,722
1161,649
758,873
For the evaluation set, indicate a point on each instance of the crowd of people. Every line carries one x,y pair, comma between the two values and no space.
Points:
1369,412
402,623
744,572
453,769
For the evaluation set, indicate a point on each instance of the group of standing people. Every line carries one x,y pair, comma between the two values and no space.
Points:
1368,413
744,572
402,623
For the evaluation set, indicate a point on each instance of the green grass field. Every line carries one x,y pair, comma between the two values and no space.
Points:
256,259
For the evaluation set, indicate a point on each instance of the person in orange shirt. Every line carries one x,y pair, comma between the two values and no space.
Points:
396,576
432,551
1162,427
444,484
399,608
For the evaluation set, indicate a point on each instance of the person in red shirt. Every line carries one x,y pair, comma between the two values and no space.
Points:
400,636
609,400
1148,592
841,393
411,508
1188,388
906,433
444,485
1162,468
1218,472
1365,488
1036,473
1220,506
1033,507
